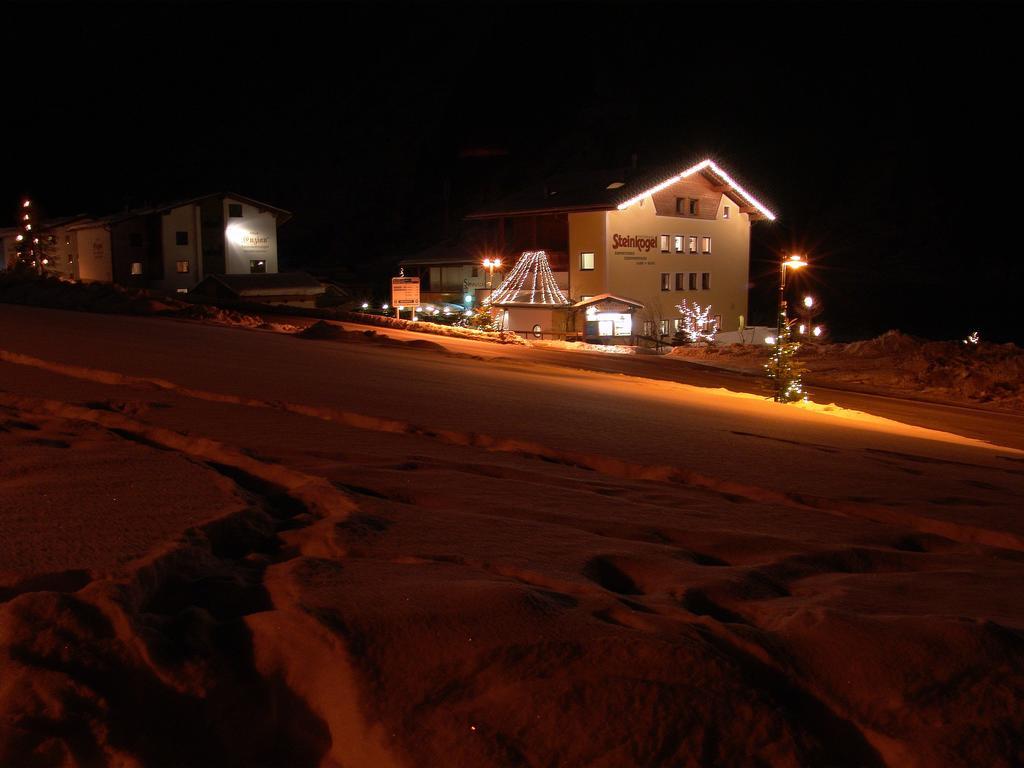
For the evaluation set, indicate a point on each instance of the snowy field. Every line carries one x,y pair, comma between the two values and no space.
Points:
229,546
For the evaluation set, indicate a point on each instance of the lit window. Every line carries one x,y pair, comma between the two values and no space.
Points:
694,207
678,243
677,324
680,281
182,266
693,281
136,267
663,240
587,260
181,238
257,266
725,212
234,210
665,284
648,327
705,281
663,327
693,245
705,243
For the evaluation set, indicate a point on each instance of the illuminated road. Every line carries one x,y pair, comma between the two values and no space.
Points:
998,426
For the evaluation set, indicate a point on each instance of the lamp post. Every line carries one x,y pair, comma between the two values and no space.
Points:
793,262
491,265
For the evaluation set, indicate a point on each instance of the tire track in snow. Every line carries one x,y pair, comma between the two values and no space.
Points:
607,465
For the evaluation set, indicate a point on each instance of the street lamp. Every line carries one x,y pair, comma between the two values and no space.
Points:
792,262
491,265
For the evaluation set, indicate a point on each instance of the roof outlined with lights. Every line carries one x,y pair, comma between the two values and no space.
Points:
618,190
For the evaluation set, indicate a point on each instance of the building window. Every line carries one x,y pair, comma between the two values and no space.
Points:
694,207
135,240
587,260
681,205
136,267
663,327
663,241
705,244
692,244
678,243
257,266
181,238
705,281
537,332
476,272
693,281
725,212
234,210
677,324
680,281
182,266
648,327
665,284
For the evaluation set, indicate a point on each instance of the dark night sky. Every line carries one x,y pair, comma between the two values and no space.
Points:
884,136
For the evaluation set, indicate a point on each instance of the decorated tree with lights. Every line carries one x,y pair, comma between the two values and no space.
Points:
30,244
698,327
482,318
531,281
784,369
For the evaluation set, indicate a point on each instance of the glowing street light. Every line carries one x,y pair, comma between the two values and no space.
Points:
808,301
366,305
491,265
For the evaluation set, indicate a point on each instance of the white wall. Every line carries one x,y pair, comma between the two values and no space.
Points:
252,236
181,219
92,254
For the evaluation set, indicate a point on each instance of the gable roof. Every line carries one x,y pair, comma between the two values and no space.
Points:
615,189
608,297
280,213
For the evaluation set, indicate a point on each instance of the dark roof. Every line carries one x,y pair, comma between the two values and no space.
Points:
281,214
267,283
600,190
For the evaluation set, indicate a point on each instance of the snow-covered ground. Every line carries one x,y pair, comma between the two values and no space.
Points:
234,546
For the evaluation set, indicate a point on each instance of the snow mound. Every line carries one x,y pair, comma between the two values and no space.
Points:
582,346
897,363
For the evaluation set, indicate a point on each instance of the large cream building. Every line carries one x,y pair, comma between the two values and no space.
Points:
652,238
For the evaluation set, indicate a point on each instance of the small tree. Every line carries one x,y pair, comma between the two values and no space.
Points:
784,369
698,327
30,244
483,318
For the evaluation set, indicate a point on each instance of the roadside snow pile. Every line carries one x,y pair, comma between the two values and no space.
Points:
451,331
322,330
582,346
899,363
108,298
55,293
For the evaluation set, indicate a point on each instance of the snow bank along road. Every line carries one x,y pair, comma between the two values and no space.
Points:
244,548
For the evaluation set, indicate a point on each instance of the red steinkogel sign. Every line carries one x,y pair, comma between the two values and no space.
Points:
631,241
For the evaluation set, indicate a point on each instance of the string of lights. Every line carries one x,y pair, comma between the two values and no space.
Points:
532,266
702,165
